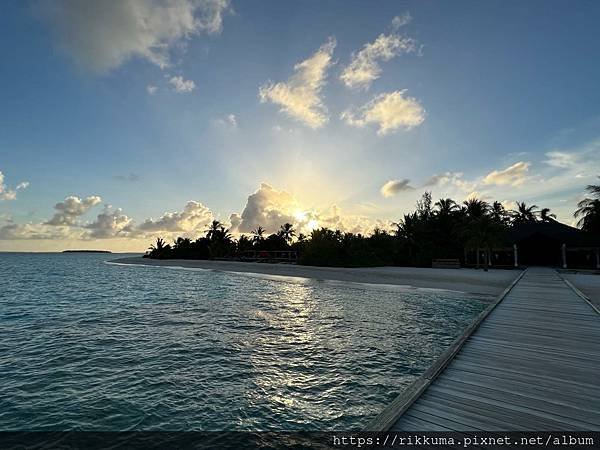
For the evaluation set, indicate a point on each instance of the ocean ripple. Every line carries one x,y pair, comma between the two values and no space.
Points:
86,345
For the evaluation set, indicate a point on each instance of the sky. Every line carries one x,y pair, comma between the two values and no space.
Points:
123,120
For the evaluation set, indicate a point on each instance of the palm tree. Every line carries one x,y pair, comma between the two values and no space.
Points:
524,213
221,235
160,249
545,215
498,213
287,232
159,246
475,208
446,206
407,230
588,210
484,233
258,235
213,228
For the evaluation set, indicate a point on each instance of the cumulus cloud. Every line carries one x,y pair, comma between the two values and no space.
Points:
71,208
270,208
514,175
10,194
151,89
182,85
267,207
195,217
102,35
450,178
364,67
335,219
110,223
389,111
300,96
393,187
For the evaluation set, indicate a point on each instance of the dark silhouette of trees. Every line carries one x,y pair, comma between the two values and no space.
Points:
444,229
546,215
258,237
524,213
287,232
588,210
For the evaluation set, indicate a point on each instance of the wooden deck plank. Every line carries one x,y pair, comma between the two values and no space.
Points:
541,404
533,363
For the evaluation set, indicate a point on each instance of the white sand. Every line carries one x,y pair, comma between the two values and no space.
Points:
587,283
492,282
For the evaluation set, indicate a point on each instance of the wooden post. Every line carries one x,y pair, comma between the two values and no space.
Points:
477,261
516,255
564,256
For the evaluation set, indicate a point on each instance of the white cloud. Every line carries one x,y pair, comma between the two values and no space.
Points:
401,20
71,208
335,219
14,231
195,217
102,35
453,179
10,194
182,85
6,193
389,111
232,121
393,187
561,160
268,208
514,175
110,223
299,97
151,89
229,122
364,67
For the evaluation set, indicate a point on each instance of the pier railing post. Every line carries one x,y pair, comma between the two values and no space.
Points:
564,256
516,255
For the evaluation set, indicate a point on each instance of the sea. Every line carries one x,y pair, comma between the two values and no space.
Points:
86,344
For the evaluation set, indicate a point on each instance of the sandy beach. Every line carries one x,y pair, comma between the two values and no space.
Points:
587,283
465,280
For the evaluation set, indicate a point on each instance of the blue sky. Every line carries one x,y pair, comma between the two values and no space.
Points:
147,106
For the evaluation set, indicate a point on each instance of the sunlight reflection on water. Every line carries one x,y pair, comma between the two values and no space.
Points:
94,346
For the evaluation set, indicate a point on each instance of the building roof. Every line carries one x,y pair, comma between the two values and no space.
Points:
553,229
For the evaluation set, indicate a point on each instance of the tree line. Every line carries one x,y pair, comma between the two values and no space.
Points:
441,229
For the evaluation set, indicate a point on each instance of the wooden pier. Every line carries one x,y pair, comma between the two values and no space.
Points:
531,363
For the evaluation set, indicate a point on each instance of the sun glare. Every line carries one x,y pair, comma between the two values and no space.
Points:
312,225
300,215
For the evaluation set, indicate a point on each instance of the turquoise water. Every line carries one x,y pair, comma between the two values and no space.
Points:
86,345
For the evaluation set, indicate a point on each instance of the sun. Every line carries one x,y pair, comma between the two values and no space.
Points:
300,215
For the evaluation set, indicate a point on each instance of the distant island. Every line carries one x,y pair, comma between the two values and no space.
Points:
86,251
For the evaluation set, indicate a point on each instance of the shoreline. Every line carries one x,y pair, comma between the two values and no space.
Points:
470,281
